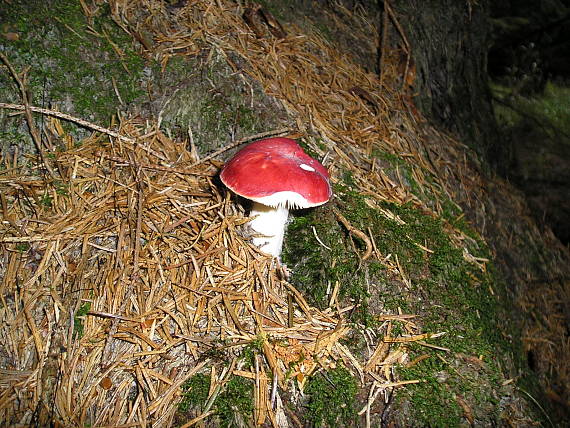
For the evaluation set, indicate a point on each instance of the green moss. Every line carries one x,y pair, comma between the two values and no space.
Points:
332,399
309,150
236,402
220,114
280,10
399,170
22,247
232,405
431,396
248,356
448,380
194,392
317,269
216,104
78,319
61,188
250,351
548,110
46,200
73,63
447,293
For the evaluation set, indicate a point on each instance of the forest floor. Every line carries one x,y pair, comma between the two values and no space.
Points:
423,294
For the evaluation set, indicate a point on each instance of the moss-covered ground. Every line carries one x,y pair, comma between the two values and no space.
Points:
74,64
231,405
90,68
216,105
448,294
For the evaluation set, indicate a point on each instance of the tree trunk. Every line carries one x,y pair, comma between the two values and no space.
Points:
449,43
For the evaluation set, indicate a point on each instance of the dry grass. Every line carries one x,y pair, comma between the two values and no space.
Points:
157,257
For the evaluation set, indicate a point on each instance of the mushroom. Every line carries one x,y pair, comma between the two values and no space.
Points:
277,175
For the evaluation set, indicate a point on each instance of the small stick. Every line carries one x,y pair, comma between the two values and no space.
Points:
69,118
274,391
358,233
290,310
115,134
29,120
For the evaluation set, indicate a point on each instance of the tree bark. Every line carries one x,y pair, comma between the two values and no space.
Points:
449,42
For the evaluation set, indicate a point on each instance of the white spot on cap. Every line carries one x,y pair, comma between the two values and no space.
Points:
307,167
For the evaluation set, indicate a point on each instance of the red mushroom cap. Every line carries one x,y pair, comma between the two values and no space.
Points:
276,171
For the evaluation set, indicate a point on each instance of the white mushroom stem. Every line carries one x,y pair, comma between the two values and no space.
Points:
270,222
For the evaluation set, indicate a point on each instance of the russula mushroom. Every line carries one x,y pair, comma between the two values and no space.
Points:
277,175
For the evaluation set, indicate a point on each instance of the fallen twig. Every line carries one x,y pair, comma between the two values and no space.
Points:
27,109
358,233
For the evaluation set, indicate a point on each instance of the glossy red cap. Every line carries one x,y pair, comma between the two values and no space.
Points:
276,171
